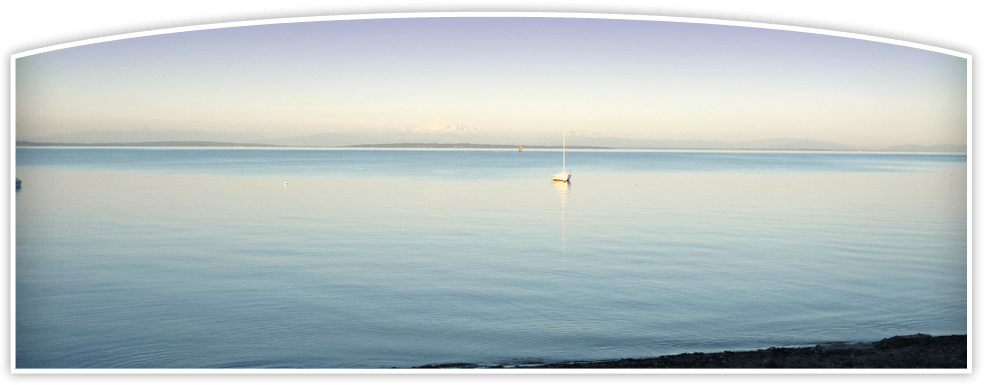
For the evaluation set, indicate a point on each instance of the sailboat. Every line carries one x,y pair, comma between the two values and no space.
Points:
563,176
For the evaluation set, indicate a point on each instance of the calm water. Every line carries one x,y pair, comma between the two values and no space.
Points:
203,258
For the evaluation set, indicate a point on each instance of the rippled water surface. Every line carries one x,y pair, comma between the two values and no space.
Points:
205,258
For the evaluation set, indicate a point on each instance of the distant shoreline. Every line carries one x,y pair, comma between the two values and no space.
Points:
25,143
463,146
919,351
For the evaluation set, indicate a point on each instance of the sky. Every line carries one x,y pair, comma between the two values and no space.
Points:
514,77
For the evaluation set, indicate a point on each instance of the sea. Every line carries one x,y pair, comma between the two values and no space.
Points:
379,258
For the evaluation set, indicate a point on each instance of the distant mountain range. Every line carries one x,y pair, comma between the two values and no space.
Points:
918,148
110,136
441,133
441,126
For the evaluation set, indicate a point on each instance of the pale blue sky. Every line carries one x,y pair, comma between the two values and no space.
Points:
503,76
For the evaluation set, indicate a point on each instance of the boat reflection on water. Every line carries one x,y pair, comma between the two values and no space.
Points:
562,187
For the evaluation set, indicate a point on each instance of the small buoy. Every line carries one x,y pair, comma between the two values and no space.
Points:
521,148
285,183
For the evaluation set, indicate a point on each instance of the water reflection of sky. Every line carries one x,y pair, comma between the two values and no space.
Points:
475,164
397,264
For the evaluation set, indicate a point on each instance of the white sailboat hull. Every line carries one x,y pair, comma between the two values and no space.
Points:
562,176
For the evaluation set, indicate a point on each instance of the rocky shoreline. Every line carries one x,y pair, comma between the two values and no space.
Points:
919,351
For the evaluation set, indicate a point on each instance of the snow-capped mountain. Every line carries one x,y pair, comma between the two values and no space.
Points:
583,134
441,126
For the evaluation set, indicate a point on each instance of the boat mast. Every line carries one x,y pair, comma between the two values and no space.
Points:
564,144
